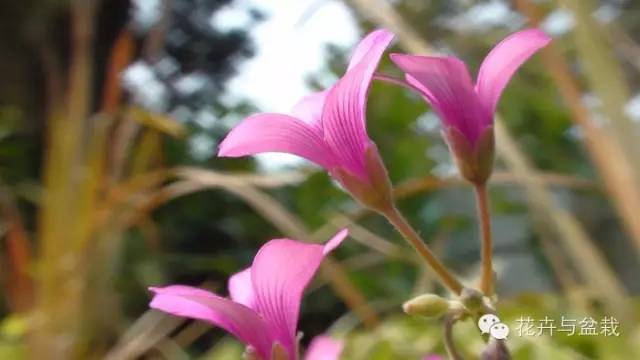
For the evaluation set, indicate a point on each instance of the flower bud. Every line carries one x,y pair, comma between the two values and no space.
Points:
473,300
429,305
474,161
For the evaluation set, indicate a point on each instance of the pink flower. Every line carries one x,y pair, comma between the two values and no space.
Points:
327,128
323,347
466,110
265,299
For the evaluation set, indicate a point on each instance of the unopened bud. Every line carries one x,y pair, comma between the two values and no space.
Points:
473,300
428,305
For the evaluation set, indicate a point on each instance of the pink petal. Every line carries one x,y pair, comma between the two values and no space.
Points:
446,84
194,303
344,112
377,40
309,109
281,271
276,133
503,61
323,347
241,288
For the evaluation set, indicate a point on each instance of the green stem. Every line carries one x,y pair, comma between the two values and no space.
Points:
486,247
447,278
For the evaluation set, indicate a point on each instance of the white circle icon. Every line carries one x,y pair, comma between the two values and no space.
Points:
499,331
486,322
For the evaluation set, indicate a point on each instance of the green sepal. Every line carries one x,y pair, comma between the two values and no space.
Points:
428,305
375,191
474,162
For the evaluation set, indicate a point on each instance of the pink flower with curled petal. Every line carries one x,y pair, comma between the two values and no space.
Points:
467,110
327,128
265,299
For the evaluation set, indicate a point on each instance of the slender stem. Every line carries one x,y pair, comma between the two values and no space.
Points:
486,251
447,278
449,344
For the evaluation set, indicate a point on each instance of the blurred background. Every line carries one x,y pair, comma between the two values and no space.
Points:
110,116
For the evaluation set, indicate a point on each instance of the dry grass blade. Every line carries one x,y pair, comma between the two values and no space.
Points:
151,329
604,75
262,181
159,122
134,198
430,183
271,210
607,154
130,189
240,186
593,268
143,335
371,240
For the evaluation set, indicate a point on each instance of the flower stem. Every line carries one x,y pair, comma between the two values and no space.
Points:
447,278
449,343
486,247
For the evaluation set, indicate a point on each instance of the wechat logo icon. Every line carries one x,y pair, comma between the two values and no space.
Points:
490,324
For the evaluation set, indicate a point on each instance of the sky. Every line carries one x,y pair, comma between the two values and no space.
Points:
290,45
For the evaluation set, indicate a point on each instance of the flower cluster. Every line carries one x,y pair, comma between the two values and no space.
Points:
329,129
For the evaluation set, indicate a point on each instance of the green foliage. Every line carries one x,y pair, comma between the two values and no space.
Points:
404,337
12,335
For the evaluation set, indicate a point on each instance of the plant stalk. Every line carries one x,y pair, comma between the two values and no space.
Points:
486,243
449,343
400,223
